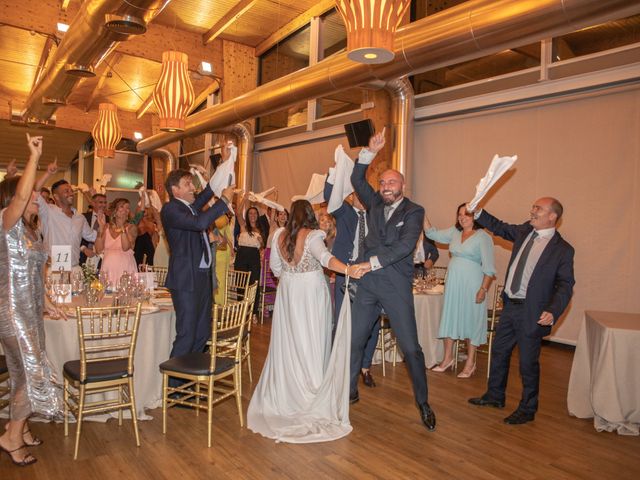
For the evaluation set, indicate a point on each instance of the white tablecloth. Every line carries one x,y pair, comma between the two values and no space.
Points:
428,310
605,378
155,338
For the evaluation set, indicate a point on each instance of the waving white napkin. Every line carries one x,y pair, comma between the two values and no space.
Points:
225,174
340,177
260,198
315,192
498,167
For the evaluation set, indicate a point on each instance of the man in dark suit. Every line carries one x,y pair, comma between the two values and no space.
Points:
394,225
99,205
431,256
348,247
189,274
538,288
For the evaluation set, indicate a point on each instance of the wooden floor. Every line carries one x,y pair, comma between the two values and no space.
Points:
388,439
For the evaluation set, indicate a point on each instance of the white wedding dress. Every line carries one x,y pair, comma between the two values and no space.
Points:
303,392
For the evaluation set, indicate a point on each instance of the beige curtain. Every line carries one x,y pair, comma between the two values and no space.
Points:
585,152
290,168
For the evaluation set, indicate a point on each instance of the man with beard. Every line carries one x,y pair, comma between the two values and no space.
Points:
394,225
61,223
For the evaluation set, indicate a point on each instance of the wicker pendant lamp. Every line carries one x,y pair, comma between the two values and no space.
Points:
106,132
173,94
371,26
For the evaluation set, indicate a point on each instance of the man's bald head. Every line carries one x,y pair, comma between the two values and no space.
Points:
391,186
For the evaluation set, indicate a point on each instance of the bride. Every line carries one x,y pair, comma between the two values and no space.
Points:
303,392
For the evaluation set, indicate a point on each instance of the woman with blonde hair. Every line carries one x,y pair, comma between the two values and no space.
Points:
116,240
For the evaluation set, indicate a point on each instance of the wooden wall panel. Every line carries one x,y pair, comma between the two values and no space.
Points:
240,70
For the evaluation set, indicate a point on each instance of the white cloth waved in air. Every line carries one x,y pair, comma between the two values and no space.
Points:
498,167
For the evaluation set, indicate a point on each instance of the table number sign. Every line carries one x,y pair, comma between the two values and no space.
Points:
61,258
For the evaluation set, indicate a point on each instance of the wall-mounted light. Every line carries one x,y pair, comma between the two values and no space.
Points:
62,27
205,68
138,135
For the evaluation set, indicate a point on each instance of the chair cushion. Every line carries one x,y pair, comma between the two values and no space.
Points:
97,371
196,364
3,365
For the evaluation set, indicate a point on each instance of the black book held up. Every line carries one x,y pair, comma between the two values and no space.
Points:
359,133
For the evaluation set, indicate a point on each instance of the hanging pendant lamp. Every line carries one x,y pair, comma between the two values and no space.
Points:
106,132
371,26
173,94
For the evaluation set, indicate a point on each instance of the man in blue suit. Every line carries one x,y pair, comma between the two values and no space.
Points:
189,274
348,247
394,225
538,288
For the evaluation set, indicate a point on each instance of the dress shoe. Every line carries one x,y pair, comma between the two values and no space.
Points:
367,379
355,398
519,417
428,416
486,402
442,367
467,373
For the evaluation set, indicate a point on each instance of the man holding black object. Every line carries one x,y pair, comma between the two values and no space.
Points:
189,274
394,225
538,288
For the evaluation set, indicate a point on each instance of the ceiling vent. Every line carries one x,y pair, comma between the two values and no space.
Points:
125,24
79,70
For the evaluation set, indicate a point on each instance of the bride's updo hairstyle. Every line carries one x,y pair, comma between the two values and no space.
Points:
302,216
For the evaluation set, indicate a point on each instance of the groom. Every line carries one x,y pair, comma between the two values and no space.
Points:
394,225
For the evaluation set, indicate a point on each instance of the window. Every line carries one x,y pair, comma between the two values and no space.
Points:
286,57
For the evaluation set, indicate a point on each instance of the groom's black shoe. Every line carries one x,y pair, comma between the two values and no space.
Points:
367,379
428,416
483,401
355,398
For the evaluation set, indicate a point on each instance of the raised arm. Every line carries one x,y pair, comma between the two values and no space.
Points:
52,168
24,190
498,227
185,220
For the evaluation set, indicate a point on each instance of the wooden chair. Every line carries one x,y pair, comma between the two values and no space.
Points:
5,388
237,283
159,274
268,287
493,320
210,377
386,341
107,337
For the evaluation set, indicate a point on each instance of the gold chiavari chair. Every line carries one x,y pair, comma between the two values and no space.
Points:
246,338
5,389
159,274
386,341
210,377
237,283
107,337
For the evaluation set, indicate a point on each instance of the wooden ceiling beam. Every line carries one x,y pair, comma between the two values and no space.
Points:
301,20
229,18
109,66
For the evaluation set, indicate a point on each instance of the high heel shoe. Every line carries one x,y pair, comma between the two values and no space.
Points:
35,441
28,459
465,374
443,368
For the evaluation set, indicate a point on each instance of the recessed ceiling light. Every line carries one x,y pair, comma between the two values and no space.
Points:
205,68
137,135
62,27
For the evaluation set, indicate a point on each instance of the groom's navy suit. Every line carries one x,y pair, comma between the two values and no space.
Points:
389,287
190,285
549,289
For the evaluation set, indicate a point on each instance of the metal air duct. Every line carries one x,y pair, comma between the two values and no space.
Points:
471,30
83,47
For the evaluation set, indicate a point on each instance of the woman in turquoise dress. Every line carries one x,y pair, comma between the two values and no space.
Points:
469,276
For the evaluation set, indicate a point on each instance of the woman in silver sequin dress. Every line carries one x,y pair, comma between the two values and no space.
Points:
22,260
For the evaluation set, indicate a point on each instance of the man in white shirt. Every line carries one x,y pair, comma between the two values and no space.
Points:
99,205
537,290
61,223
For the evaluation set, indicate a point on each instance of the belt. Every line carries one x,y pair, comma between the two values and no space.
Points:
515,301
